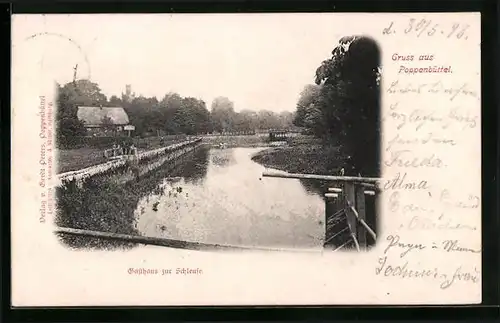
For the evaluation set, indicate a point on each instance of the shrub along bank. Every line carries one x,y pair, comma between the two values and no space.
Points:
308,159
100,203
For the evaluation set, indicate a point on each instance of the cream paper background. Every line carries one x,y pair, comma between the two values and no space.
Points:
44,273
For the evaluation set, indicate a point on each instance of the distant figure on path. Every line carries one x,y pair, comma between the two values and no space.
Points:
133,150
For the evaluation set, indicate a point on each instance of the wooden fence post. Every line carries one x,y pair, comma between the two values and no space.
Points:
331,208
338,205
350,196
328,212
361,208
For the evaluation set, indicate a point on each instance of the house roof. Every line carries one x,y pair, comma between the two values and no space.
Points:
93,116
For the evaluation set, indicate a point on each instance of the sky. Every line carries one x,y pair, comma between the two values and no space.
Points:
258,61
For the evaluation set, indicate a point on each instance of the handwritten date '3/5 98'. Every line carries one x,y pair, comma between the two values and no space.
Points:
424,27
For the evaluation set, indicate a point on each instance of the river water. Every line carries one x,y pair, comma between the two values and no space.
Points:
219,196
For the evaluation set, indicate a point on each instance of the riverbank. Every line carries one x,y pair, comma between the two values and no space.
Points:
101,204
303,158
143,162
83,157
257,140
196,200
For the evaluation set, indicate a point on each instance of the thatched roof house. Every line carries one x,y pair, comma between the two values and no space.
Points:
94,117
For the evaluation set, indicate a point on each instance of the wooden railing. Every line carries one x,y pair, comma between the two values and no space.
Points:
354,202
350,209
81,174
170,243
120,151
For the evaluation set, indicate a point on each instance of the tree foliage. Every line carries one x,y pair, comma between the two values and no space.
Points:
223,114
344,105
225,119
70,96
173,114
308,113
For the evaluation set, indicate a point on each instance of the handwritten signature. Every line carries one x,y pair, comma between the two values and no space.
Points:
407,271
409,159
394,242
418,118
445,198
429,138
443,222
451,92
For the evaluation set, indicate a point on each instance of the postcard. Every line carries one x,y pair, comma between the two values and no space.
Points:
246,159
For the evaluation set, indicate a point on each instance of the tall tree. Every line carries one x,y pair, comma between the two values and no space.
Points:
193,117
169,107
141,112
69,97
223,115
308,98
348,107
114,101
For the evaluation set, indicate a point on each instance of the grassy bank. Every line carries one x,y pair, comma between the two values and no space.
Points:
256,140
79,158
311,158
237,141
101,204
98,205
74,159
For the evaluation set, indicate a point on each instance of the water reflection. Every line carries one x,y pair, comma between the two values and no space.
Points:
102,204
209,195
218,196
314,186
222,157
192,167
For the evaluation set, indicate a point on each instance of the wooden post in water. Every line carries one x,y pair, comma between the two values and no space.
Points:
338,205
336,226
330,224
361,208
350,196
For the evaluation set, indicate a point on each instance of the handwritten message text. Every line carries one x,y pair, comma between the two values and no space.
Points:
431,193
